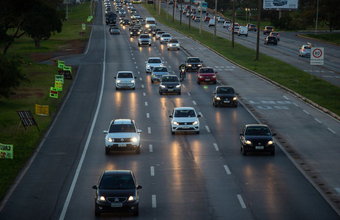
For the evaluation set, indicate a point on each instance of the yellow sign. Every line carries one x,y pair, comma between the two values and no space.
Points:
53,93
42,110
58,86
6,151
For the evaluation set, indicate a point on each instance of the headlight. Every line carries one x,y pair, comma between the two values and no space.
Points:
178,86
132,198
102,198
119,81
162,86
270,142
195,123
134,139
248,142
199,64
213,76
132,81
131,33
110,139
218,98
148,66
235,98
176,123
189,65
138,32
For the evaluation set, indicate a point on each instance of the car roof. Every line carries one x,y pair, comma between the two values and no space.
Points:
154,58
184,108
256,125
113,172
125,71
122,121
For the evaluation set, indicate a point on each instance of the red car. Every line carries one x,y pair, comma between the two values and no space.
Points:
206,74
206,19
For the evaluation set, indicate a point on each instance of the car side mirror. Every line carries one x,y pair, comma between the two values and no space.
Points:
135,77
241,134
170,116
115,77
139,187
139,131
94,187
105,132
199,115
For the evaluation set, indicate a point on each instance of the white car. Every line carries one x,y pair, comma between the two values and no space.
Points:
125,80
221,20
184,119
144,39
226,24
152,62
211,22
165,37
122,135
173,44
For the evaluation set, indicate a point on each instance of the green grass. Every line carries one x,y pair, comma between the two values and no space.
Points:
278,71
35,92
328,37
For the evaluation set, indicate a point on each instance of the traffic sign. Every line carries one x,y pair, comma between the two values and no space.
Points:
317,56
230,28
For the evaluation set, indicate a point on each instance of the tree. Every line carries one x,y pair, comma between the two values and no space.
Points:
328,12
11,74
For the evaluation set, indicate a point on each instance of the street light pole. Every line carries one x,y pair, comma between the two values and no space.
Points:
317,16
215,20
180,14
258,30
232,31
201,18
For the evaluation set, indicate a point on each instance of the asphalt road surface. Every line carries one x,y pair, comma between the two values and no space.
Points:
184,176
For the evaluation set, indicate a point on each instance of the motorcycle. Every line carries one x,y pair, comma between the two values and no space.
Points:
182,74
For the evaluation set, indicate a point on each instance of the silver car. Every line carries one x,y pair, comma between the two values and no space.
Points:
173,44
305,51
144,39
165,38
159,34
151,63
125,80
158,72
184,119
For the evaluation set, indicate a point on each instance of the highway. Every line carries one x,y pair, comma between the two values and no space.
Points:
184,176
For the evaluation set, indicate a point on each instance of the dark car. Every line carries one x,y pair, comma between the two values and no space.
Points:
135,32
270,40
206,74
275,34
125,22
193,63
110,18
257,138
154,30
268,29
169,84
224,95
117,191
114,30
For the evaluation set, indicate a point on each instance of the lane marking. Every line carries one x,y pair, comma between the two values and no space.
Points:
329,129
317,120
227,169
306,112
147,115
142,86
140,78
149,130
338,190
150,148
146,103
200,114
285,97
189,94
295,104
243,205
216,147
144,94
193,102
206,127
152,170
154,204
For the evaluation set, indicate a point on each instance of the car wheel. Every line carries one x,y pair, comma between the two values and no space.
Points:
244,153
138,150
179,93
134,88
197,132
172,132
215,82
272,152
160,93
107,151
149,45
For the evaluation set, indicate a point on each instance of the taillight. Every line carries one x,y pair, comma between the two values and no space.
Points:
303,49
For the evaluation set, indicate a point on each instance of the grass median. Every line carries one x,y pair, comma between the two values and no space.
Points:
317,90
41,76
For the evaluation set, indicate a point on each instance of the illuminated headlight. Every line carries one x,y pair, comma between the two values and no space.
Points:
110,139
200,76
176,123
195,123
162,86
147,26
102,198
138,32
132,81
178,86
199,65
148,66
134,139
235,98
131,33
119,81
213,76
189,65
248,142
218,98
132,198
270,142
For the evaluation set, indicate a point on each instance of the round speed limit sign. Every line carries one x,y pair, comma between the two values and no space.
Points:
317,53
230,28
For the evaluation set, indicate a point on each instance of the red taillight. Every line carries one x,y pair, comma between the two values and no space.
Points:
303,49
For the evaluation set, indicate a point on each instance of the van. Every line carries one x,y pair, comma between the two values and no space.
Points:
150,22
211,22
243,30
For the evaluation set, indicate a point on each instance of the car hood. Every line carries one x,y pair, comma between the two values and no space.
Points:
258,139
154,64
116,192
226,95
170,83
125,79
123,135
185,119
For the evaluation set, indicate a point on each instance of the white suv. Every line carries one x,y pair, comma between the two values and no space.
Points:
184,119
122,135
125,80
152,62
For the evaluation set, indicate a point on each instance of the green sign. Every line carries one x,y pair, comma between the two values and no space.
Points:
6,151
83,26
61,64
53,93
59,78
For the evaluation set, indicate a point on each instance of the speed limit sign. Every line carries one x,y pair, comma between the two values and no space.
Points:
317,56
230,28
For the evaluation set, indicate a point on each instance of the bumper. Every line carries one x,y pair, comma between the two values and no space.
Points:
192,68
145,43
259,148
193,128
104,207
124,147
125,85
226,103
168,90
174,47
207,80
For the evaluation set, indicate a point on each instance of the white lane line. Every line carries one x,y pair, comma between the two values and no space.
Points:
193,102
147,115
338,190
154,204
150,148
146,103
149,130
152,170
142,86
306,112
144,94
136,67
227,169
329,129
317,120
206,127
189,94
243,205
286,97
295,104
140,78
135,63
138,72
216,147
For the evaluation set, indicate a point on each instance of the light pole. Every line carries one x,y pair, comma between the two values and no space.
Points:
201,18
180,14
215,20
317,16
232,31
258,30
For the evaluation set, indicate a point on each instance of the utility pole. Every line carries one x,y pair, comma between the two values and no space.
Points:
201,18
180,14
215,20
232,31
317,16
173,11
258,30
189,13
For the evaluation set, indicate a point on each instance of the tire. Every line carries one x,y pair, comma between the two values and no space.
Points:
198,82
107,151
151,81
179,93
161,93
149,45
134,88
197,132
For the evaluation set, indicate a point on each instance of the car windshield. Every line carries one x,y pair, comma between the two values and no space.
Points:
185,113
166,35
225,90
116,182
154,61
114,128
196,60
144,36
160,69
173,41
169,79
258,131
206,70
125,75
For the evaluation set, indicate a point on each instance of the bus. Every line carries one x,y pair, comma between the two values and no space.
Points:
202,6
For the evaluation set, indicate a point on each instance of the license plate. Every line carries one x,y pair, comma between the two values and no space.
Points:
185,127
121,145
194,67
226,101
117,204
259,147
170,90
207,79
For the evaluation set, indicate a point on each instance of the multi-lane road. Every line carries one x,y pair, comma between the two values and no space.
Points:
184,176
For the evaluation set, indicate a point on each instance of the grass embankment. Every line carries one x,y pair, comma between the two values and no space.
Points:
327,37
319,91
36,92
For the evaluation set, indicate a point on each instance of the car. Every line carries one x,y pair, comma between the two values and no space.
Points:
110,18
197,18
220,20
275,34
192,64
134,32
159,34
154,30
170,84
270,40
135,16
206,18
305,50
257,138
165,37
206,74
243,30
173,44
224,95
144,39
117,191
236,27
152,62
217,17
211,22
114,30
122,135
122,13
125,80
226,24
125,22
268,29
158,72
251,27
184,119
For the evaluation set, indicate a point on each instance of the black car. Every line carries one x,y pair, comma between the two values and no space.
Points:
268,29
169,84
154,30
224,95
257,138
110,18
114,30
270,40
117,191
125,22
134,32
193,64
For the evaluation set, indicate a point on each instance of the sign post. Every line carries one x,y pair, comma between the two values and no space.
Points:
317,57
